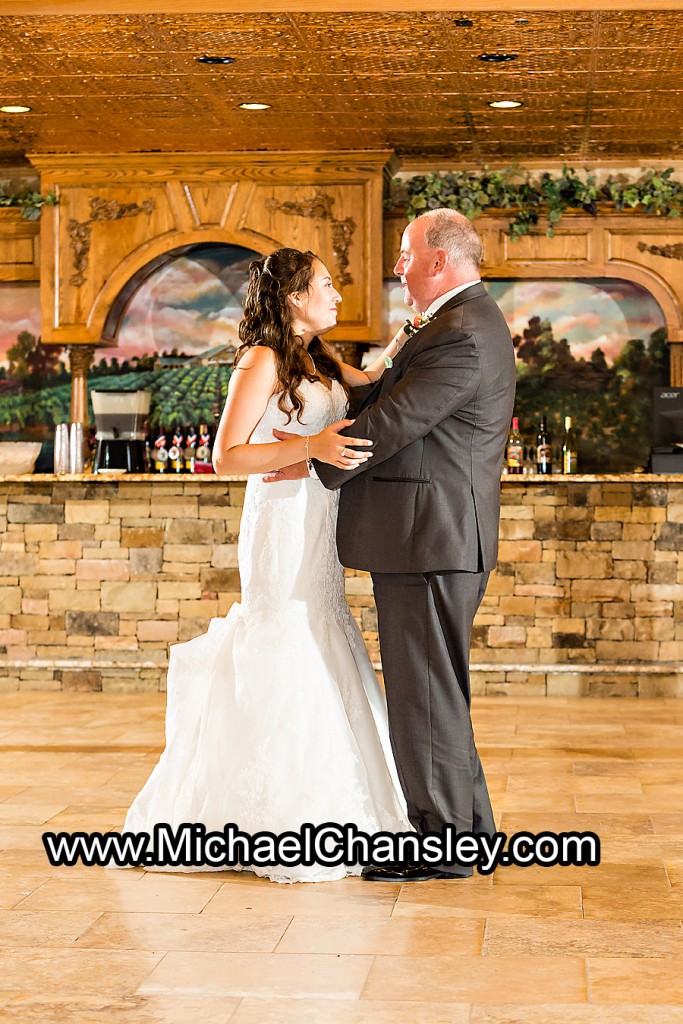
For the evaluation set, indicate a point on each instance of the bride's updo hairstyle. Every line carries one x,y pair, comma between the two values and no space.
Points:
268,321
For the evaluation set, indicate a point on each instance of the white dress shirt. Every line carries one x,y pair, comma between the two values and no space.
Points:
442,299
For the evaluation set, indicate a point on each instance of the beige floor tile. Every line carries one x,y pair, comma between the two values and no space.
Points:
67,972
333,1011
509,936
613,903
263,897
399,936
294,975
462,900
642,981
123,891
613,824
650,874
540,802
241,933
567,782
16,885
514,979
668,824
28,813
29,1009
37,928
587,1014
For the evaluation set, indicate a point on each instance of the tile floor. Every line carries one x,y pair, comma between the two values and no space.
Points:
581,945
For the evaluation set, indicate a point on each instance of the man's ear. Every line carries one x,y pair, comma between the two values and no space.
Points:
440,261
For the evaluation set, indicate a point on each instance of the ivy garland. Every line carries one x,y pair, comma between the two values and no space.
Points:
529,199
31,203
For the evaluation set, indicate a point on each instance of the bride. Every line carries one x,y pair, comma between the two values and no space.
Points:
275,717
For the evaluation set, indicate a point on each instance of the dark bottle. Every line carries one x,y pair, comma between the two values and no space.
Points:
514,452
544,449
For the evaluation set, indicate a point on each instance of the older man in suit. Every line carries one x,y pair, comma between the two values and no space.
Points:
422,515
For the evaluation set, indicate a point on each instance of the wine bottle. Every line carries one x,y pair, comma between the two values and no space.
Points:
175,452
190,450
203,453
544,449
514,452
160,455
570,455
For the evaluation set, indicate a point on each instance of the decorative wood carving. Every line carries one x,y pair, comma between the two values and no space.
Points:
319,207
194,199
670,252
80,233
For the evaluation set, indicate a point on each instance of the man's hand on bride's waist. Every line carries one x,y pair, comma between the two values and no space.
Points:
327,446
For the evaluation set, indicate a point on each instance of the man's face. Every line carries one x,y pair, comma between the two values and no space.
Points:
416,266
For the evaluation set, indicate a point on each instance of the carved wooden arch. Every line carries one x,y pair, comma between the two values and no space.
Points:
146,256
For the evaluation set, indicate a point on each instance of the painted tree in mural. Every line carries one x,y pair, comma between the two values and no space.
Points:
610,405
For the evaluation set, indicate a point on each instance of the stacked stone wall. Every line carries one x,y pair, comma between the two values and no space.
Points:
98,577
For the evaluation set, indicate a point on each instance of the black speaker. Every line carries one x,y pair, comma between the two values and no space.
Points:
667,431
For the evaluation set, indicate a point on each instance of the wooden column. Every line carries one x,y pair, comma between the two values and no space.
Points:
80,361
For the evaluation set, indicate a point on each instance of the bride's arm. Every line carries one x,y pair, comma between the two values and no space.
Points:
252,383
355,377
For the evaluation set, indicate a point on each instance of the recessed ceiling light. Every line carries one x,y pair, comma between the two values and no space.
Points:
12,109
497,58
505,104
521,21
206,59
254,106
463,23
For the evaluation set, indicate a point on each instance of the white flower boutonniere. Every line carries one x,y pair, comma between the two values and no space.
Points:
413,326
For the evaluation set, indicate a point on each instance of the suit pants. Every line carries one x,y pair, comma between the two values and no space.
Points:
425,621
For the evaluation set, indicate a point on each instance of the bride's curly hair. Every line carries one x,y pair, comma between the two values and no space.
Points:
268,321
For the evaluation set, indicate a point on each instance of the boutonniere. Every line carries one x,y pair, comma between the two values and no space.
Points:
413,326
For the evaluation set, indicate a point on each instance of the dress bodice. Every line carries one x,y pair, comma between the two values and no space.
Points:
323,406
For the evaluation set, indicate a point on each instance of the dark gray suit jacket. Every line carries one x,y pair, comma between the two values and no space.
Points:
429,498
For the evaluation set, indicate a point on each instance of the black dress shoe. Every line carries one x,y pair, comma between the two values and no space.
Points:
407,873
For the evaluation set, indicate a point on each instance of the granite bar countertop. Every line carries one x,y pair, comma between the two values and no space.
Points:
203,478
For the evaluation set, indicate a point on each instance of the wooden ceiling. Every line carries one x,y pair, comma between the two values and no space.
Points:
596,85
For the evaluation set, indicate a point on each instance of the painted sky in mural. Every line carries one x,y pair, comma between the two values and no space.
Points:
192,304
19,311
195,303
601,313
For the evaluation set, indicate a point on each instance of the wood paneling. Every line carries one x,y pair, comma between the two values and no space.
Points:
19,247
598,84
118,212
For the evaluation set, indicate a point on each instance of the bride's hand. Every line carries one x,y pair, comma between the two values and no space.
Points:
337,449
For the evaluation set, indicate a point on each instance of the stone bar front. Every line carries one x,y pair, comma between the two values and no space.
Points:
99,575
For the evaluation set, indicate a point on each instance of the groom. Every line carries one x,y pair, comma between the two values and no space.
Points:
422,515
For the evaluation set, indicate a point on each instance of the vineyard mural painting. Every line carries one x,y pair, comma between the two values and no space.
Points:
593,349
177,337
590,349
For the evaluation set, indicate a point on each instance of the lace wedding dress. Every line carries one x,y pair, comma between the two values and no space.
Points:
275,716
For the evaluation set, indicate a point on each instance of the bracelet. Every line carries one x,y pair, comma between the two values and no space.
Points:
309,464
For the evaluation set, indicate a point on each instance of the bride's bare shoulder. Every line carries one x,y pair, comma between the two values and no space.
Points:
259,357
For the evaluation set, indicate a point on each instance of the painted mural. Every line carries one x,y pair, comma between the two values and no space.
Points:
592,349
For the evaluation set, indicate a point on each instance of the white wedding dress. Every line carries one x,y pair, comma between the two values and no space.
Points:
275,716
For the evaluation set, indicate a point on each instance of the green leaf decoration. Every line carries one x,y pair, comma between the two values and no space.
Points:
551,194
